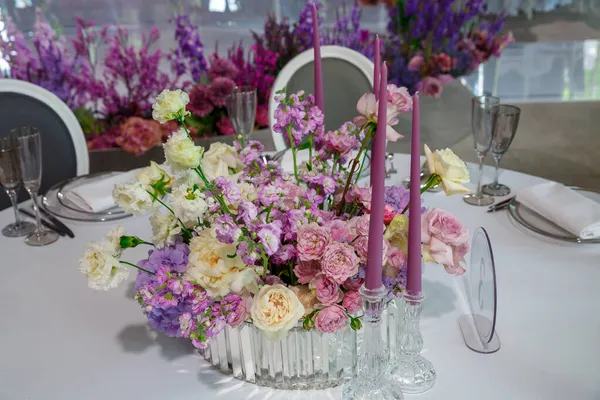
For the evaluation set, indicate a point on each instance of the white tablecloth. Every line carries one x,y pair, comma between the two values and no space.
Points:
60,340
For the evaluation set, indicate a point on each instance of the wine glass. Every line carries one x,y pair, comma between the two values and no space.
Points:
241,109
30,154
483,109
10,178
504,129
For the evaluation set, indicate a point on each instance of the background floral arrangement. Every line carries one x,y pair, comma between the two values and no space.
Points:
242,240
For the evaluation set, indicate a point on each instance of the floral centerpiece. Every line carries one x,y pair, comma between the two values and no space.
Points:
236,239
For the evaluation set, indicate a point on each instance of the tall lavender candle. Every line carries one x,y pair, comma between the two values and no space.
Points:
317,55
375,247
413,284
376,79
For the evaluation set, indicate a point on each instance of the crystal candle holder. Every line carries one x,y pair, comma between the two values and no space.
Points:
413,372
373,380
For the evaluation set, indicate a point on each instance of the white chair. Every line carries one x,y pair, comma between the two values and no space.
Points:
64,150
347,75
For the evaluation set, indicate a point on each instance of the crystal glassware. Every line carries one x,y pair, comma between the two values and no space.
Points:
504,128
413,372
241,109
482,115
29,143
373,380
10,178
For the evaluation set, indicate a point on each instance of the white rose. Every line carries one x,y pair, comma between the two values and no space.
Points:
101,267
169,105
189,205
165,229
114,240
133,198
151,175
213,270
219,160
181,153
275,310
451,169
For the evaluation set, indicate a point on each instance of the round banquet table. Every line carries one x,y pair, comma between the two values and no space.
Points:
60,340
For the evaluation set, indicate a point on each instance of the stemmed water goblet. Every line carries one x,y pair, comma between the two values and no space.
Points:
483,109
10,178
29,144
241,109
504,128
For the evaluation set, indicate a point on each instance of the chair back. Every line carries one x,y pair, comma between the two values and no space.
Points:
347,75
64,150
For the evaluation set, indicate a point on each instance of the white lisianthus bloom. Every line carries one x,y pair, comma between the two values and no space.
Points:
133,198
189,205
221,160
275,310
101,267
450,168
186,179
152,175
181,153
210,266
165,229
114,240
169,105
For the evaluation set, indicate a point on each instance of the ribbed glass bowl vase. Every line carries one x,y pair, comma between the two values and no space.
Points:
302,360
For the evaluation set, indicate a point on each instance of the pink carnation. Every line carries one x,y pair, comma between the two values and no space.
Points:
312,241
225,127
138,135
219,89
200,104
352,301
331,319
430,86
399,97
338,229
416,62
222,68
305,271
262,116
443,226
339,262
327,291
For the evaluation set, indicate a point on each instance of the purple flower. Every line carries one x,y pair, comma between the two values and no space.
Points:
190,53
251,152
219,89
247,211
270,236
200,303
226,229
397,197
222,68
173,258
285,253
200,104
248,255
231,191
269,194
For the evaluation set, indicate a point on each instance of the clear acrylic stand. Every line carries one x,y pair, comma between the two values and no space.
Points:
479,327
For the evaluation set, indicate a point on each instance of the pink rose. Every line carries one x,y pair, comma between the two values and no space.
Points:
306,270
458,258
388,214
430,86
273,280
443,226
353,283
361,245
239,314
339,262
327,291
359,226
338,229
361,195
399,97
312,241
331,319
352,301
339,141
416,62
441,252
396,257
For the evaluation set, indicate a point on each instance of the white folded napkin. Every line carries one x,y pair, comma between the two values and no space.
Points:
565,207
96,196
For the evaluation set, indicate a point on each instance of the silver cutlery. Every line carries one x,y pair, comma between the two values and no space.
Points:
500,205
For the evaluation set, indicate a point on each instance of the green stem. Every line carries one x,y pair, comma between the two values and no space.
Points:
310,151
293,155
362,164
183,228
135,266
431,181
182,121
335,161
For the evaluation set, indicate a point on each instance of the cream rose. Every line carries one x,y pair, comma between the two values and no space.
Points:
307,297
275,310
101,266
133,198
181,153
153,174
220,160
169,105
213,270
450,168
165,229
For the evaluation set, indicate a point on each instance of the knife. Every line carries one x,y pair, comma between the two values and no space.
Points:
501,205
58,223
44,222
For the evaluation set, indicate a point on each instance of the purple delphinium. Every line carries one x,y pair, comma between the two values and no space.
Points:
189,55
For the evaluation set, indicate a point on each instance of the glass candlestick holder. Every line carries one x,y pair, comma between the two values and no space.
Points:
413,372
373,380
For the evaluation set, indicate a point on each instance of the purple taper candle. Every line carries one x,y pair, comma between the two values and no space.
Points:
375,247
413,281
317,55
376,79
